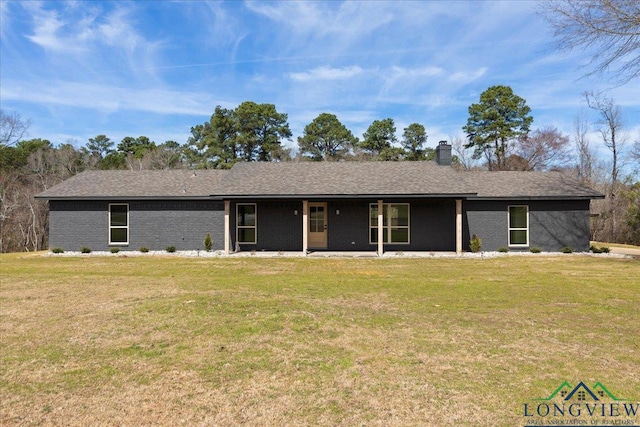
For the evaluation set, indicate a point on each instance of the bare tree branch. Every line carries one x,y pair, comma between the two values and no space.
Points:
544,149
465,157
611,125
12,128
586,155
608,29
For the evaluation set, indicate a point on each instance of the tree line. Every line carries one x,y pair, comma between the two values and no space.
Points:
498,136
254,132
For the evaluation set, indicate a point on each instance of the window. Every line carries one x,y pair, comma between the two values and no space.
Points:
118,224
518,226
316,219
395,223
246,223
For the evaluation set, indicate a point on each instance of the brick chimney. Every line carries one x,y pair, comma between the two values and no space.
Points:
443,154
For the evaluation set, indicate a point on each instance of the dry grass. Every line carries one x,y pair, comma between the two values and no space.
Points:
171,341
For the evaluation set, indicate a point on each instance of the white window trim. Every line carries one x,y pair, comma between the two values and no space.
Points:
118,226
509,228
255,226
387,229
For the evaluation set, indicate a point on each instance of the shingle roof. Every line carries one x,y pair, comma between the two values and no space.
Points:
523,185
394,178
117,184
342,179
320,179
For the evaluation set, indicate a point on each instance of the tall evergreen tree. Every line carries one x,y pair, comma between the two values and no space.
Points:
260,129
100,146
500,118
251,132
413,139
326,138
379,138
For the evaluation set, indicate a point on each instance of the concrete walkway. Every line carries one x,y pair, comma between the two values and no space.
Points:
615,252
626,251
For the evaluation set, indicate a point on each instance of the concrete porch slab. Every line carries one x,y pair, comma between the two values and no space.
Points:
341,254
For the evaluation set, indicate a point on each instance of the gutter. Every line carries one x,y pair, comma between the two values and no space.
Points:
495,198
342,196
128,198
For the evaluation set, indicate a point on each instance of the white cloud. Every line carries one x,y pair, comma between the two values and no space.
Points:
117,30
327,73
329,29
403,72
46,30
323,18
74,29
5,19
465,77
110,98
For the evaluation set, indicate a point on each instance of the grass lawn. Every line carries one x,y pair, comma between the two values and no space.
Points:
136,341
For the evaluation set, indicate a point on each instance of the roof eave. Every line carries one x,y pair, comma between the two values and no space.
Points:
587,197
346,196
128,198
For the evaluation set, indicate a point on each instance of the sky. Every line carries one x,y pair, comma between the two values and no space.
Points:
77,69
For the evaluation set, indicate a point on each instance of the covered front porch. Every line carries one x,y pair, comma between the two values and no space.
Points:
344,227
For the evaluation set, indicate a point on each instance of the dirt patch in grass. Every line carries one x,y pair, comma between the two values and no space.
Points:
167,341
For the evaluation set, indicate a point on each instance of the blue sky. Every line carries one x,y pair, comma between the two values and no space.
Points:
156,68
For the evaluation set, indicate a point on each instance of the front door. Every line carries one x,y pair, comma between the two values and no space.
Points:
318,225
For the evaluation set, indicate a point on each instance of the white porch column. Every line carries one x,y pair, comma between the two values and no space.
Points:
380,228
305,226
459,226
227,209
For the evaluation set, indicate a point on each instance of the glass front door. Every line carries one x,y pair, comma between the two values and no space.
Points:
318,225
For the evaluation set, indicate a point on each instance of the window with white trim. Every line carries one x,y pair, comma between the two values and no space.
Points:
395,223
246,223
118,224
519,225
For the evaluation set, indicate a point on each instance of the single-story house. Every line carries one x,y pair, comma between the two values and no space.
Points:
315,206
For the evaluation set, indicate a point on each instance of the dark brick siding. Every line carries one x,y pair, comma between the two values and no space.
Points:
279,228
158,224
552,224
433,226
348,231
153,224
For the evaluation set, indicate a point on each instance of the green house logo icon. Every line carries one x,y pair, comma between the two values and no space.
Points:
568,405
582,393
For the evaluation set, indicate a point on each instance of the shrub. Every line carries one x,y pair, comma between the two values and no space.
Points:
605,249
475,243
57,250
503,249
144,249
170,249
208,242
85,250
595,250
535,250
567,250
114,250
